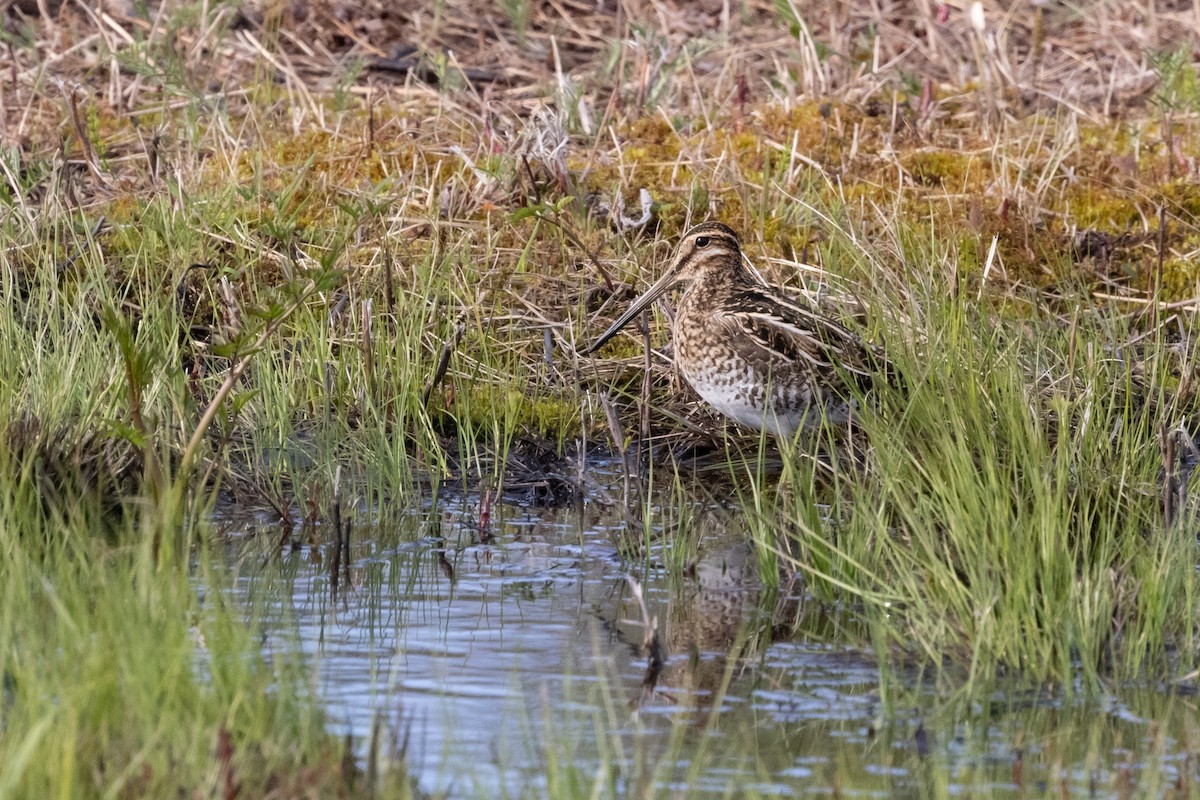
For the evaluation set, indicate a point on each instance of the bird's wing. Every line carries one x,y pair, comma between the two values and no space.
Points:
790,333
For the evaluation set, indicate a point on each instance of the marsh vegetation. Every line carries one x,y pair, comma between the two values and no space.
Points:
292,299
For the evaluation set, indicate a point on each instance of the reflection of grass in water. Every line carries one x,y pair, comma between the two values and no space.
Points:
848,741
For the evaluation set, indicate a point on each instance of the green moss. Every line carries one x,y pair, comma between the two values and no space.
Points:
947,169
1180,278
1115,140
1098,207
1182,199
651,131
807,125
520,413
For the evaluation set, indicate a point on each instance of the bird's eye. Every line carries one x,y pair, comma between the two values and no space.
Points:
702,241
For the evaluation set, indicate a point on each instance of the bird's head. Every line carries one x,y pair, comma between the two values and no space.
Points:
708,247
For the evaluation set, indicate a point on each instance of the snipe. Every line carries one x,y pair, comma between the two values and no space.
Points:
758,357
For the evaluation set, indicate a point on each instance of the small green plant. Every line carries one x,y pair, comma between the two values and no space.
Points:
517,12
1178,84
342,97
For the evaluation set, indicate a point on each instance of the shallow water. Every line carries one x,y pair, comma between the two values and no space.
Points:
511,661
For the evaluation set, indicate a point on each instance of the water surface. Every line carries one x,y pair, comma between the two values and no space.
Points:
513,660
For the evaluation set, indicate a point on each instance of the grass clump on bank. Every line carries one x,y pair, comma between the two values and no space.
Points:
1025,504
122,677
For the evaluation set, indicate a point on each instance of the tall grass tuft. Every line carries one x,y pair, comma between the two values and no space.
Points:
1006,512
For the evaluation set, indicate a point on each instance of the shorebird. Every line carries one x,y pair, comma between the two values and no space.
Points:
764,360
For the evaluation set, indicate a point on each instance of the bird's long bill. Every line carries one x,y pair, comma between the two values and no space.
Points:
648,297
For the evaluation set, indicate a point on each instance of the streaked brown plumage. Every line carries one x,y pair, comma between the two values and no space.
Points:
756,356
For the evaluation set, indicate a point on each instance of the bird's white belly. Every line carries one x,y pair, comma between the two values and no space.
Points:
741,397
